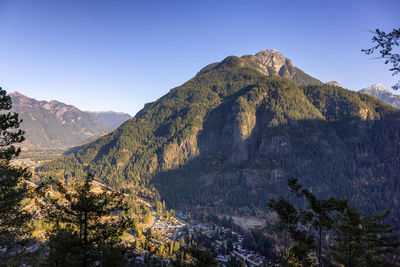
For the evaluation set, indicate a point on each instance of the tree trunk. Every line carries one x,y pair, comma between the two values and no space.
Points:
80,226
85,239
349,257
320,241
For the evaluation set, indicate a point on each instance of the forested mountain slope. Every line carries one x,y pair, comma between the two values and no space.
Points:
230,137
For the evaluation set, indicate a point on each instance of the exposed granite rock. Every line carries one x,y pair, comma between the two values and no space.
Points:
334,83
380,92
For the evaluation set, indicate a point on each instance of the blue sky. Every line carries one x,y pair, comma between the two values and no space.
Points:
118,55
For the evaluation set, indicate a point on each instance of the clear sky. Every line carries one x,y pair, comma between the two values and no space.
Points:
118,55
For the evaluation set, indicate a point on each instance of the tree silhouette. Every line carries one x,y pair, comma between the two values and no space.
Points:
13,187
358,240
385,45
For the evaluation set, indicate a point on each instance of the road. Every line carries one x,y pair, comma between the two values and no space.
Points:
245,258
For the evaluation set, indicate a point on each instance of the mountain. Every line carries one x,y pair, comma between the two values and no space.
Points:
54,125
229,138
111,118
380,92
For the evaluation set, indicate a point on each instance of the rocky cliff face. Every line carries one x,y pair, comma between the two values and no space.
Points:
380,92
271,62
334,83
54,125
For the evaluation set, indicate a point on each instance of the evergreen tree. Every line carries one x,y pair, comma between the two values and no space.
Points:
86,227
363,241
288,217
358,240
292,223
380,241
348,234
13,187
319,215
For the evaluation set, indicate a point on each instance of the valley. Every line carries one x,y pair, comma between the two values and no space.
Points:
199,133
198,165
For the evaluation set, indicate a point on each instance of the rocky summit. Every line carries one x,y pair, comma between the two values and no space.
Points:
229,138
380,92
334,83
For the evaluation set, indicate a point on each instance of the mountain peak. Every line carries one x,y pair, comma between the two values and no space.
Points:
379,91
270,59
273,62
379,87
17,94
267,62
376,88
20,99
275,52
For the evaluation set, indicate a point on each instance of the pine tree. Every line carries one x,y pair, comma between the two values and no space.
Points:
348,231
380,241
290,224
86,226
319,215
358,240
363,241
288,217
13,187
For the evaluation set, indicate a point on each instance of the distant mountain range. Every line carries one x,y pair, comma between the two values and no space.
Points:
229,138
380,92
111,118
55,125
